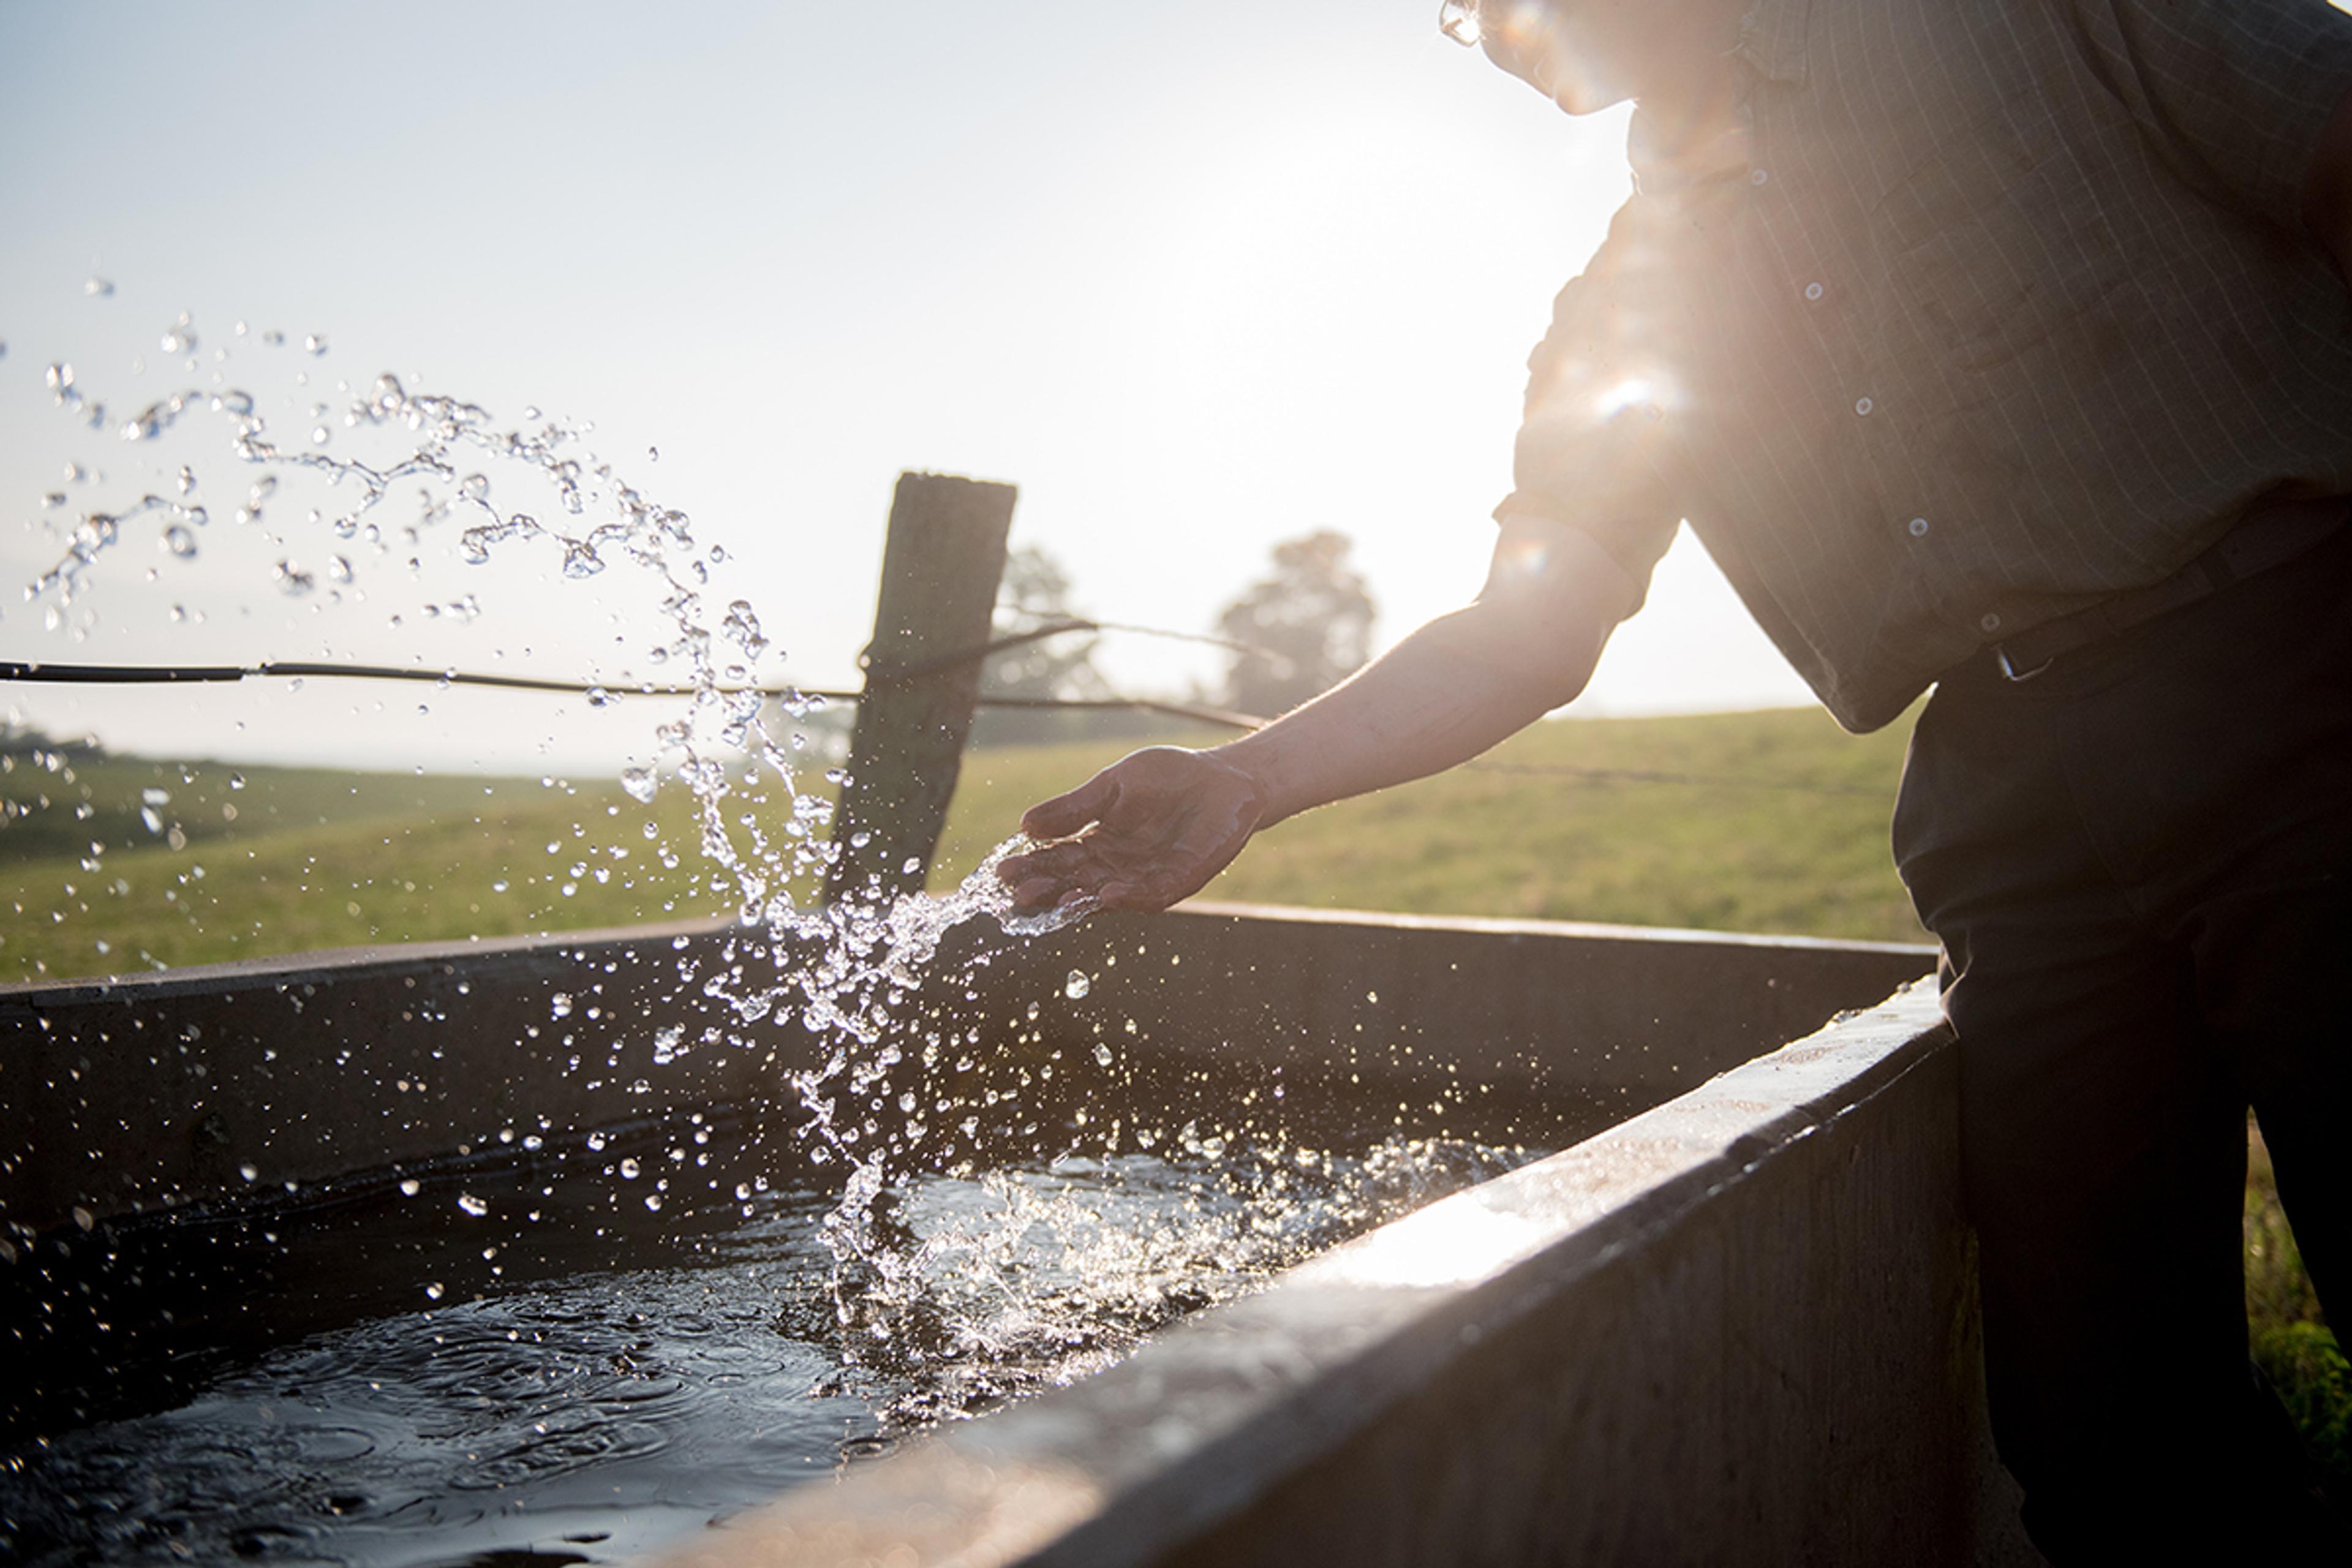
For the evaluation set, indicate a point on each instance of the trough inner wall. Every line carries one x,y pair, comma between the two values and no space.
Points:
125,1095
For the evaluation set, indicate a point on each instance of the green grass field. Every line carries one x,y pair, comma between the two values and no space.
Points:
243,861
1771,822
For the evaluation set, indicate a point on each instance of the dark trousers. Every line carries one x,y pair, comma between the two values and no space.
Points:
2139,864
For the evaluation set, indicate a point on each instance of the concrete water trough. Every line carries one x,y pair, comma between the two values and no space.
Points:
1731,1321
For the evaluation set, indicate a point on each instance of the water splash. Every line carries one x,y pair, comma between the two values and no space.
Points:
870,949
1013,1265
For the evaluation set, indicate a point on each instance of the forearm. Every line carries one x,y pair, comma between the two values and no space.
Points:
1437,698
1457,686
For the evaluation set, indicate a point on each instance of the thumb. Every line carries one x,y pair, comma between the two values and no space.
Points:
1066,813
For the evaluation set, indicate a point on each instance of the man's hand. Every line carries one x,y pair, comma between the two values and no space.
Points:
1150,829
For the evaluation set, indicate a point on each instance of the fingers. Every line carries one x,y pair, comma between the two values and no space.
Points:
1040,894
1087,869
1056,859
1142,834
1050,875
1066,813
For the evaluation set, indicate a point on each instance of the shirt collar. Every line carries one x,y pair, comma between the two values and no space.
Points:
1772,38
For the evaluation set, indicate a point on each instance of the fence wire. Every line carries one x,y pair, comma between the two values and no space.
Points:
879,674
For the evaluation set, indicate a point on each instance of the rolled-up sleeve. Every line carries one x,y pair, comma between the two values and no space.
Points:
2234,92
1595,439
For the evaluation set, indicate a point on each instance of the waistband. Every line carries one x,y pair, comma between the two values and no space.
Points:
2269,534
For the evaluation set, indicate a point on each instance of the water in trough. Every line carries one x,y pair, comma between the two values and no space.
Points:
521,1357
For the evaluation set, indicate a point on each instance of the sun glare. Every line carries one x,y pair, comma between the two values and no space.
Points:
1459,1241
1652,395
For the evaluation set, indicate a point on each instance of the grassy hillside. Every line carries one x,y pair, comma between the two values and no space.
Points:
115,864
1770,821
1766,822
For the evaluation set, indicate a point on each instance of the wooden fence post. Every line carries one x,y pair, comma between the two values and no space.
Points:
940,570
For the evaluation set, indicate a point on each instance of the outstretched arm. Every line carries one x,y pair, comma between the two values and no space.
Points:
1154,827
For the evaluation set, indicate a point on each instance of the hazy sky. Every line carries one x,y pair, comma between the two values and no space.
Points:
1196,277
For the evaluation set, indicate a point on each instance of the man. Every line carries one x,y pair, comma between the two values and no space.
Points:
2004,347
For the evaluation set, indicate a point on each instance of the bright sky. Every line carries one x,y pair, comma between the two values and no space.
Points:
1196,277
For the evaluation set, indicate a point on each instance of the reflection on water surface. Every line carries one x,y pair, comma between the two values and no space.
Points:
591,1383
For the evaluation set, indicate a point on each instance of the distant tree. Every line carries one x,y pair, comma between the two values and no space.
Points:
19,739
1309,626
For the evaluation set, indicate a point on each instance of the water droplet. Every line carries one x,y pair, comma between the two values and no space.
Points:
180,338
1102,1052
1076,985
629,1169
741,625
433,1291
473,487
250,1172
179,542
99,288
320,436
316,343
559,1006
640,784
338,569
472,1205
293,581
410,1186
653,1202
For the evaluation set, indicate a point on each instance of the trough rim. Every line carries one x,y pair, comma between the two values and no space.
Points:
330,963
